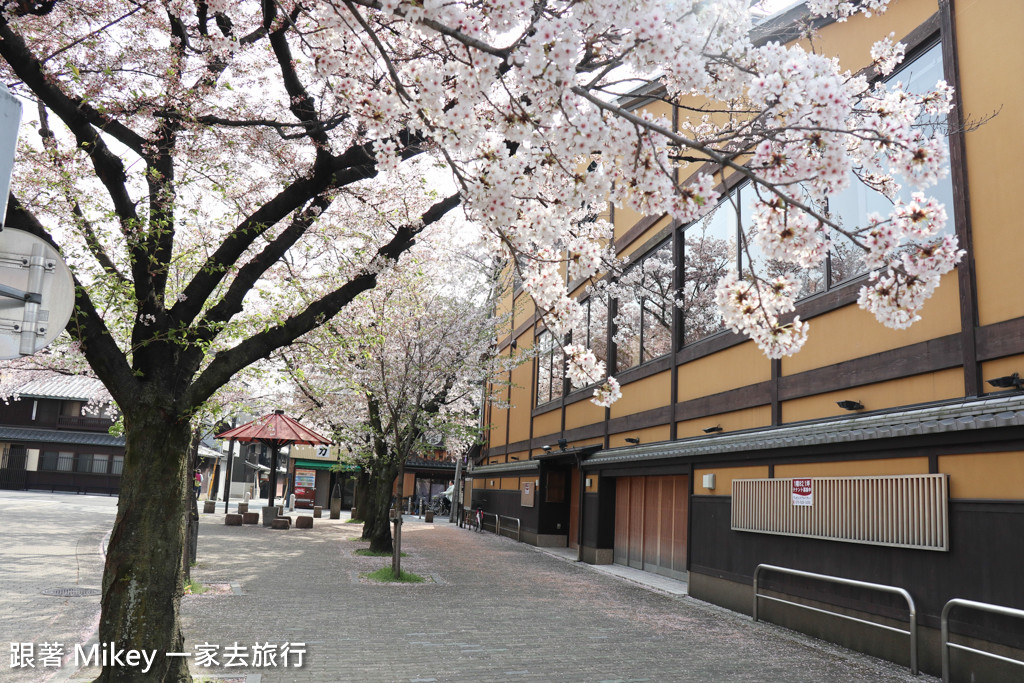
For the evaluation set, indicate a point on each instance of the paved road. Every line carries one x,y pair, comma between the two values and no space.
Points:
49,541
492,610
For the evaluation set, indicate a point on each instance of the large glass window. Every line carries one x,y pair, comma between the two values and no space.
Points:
851,207
645,300
592,330
99,464
709,250
550,375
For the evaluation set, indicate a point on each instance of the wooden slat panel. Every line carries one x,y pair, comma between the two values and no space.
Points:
906,511
636,521
621,552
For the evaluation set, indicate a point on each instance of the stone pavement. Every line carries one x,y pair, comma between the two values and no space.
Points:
491,610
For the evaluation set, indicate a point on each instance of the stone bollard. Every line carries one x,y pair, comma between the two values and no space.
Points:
269,515
280,523
336,508
429,517
250,518
209,506
318,511
233,519
303,522
243,508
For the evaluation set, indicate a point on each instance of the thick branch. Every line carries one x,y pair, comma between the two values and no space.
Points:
260,345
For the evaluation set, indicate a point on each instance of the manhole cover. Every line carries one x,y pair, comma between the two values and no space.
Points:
71,592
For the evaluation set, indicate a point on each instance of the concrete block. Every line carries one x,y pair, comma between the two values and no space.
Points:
233,519
303,522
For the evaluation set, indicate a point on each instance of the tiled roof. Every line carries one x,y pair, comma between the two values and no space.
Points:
20,434
973,414
66,387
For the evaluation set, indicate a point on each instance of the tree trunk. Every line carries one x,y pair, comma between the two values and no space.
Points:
142,579
361,495
378,531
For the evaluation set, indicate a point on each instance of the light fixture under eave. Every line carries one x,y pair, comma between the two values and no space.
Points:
712,430
633,440
562,444
850,405
546,449
1010,381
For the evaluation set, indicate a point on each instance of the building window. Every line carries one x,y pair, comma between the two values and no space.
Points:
99,463
117,464
710,244
850,207
84,463
645,299
592,331
709,251
65,461
550,372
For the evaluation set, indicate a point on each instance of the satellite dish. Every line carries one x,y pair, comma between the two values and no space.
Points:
37,294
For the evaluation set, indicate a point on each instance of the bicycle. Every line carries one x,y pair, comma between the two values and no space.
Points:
475,519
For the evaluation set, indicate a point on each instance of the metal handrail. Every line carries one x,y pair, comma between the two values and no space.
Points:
519,525
912,632
483,520
982,607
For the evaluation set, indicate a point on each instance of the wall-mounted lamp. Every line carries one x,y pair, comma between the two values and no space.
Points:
633,440
514,457
546,449
850,405
1013,381
712,430
562,443
514,344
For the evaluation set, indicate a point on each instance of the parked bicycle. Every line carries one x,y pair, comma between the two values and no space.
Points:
440,505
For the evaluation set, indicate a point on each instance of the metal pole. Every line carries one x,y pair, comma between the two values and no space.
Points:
273,476
227,479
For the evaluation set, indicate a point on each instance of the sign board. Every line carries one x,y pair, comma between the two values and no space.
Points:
10,121
529,493
803,492
37,294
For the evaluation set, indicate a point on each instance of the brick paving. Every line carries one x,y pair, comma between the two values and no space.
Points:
492,610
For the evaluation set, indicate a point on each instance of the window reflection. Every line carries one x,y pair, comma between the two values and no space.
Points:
709,250
851,207
645,300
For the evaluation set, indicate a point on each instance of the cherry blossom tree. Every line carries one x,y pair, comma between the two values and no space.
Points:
397,374
197,160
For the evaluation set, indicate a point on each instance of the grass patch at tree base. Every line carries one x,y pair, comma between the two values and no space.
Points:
354,521
385,575
366,552
193,587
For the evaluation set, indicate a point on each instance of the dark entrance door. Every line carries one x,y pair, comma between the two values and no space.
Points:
12,469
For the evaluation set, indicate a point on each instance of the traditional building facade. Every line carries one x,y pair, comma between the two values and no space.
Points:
51,443
890,457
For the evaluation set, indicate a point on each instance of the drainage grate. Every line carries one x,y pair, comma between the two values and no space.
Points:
71,592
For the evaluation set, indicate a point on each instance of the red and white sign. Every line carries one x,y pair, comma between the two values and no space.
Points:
803,492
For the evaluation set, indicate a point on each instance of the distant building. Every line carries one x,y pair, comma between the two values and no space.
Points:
50,442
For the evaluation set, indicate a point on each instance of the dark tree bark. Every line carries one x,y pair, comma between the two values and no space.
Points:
378,530
361,497
142,590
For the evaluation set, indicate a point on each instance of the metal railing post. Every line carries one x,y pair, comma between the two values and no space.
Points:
981,607
912,609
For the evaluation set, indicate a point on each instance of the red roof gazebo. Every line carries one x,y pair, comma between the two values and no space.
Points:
274,430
